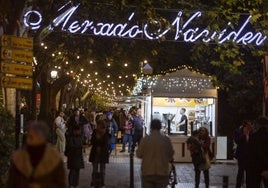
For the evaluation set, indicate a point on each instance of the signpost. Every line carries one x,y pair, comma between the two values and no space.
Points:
16,42
15,69
15,50
16,82
16,55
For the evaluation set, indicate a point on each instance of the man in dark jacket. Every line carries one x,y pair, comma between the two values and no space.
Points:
241,139
257,166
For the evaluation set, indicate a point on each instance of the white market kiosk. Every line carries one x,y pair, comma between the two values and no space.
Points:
183,89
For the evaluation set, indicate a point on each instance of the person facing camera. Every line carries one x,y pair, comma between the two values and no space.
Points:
37,164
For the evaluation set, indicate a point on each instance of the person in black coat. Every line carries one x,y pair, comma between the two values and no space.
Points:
99,154
241,139
74,153
257,169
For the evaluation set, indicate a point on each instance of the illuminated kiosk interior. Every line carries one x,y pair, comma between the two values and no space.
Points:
183,89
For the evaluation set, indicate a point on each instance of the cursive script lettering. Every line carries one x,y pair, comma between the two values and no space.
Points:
181,31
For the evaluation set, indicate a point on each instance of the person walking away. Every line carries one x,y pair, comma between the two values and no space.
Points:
99,154
112,128
127,137
241,137
138,128
156,152
60,131
257,164
198,160
37,164
74,154
205,143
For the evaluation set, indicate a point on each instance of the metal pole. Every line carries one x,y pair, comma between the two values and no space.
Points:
225,181
264,92
17,123
131,156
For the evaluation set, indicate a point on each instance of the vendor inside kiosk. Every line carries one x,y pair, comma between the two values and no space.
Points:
183,101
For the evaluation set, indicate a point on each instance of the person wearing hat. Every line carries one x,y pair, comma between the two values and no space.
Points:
257,164
112,128
37,164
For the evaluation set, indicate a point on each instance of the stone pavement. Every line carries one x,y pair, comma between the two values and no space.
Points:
118,173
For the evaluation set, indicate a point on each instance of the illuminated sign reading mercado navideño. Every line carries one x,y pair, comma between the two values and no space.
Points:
180,28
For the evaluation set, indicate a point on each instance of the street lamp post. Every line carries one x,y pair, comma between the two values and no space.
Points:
53,74
148,70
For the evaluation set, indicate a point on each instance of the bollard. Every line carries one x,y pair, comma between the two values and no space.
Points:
131,156
225,181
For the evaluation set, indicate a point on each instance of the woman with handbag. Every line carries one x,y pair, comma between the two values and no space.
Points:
205,141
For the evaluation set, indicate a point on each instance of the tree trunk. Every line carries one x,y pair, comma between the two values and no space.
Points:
49,92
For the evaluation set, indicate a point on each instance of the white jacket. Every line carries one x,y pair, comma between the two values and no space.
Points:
60,123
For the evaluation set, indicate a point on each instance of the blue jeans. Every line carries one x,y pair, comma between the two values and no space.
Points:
127,138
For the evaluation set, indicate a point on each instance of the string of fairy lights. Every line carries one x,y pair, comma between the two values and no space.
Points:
106,86
174,81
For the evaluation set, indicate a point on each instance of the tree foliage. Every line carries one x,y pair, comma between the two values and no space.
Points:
7,141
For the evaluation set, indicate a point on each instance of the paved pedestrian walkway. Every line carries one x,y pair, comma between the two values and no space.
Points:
118,173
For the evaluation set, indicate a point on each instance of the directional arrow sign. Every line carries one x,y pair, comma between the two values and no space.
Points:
16,55
16,42
15,82
17,69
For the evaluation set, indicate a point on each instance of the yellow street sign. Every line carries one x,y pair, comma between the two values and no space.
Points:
17,69
15,82
16,42
16,55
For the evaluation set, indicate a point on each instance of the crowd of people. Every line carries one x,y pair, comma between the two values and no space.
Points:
37,164
70,133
